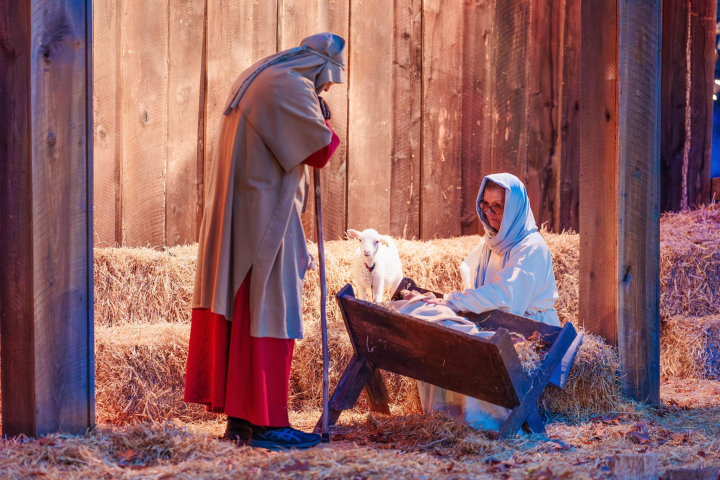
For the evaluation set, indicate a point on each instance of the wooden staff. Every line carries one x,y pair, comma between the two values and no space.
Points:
323,305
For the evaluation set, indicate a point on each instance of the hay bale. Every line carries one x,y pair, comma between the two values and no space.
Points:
690,347
690,262
140,374
142,285
593,385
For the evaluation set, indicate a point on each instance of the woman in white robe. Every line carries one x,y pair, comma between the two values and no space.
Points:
511,270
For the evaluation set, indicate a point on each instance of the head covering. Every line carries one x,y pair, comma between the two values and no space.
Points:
320,58
518,221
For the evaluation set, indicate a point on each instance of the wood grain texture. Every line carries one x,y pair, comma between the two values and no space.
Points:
599,169
417,349
545,89
48,381
107,118
639,199
239,33
636,466
569,196
16,229
512,32
300,19
334,16
62,249
477,107
442,119
407,120
183,189
687,78
370,124
145,83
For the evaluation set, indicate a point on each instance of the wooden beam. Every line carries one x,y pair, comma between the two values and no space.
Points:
299,20
688,67
620,185
544,101
107,116
335,18
185,84
442,119
510,68
239,33
478,106
569,178
407,120
144,77
371,115
46,177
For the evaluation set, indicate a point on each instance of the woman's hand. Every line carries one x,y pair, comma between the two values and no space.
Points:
441,301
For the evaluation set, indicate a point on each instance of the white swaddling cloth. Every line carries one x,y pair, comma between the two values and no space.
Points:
476,412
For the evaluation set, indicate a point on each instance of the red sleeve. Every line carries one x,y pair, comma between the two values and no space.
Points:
320,158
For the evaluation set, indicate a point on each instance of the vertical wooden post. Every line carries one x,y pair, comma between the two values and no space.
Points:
688,67
46,217
620,185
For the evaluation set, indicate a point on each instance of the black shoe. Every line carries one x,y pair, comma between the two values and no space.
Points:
238,430
276,438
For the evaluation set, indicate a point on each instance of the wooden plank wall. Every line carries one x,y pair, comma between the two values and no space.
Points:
688,64
46,180
439,93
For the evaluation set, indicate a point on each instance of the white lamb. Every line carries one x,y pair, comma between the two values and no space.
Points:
376,265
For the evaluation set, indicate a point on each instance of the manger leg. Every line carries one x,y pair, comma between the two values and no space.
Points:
352,382
377,393
534,423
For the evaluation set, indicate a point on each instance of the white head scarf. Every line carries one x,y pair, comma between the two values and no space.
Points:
320,58
518,221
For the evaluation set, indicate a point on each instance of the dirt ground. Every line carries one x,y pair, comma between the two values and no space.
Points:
684,432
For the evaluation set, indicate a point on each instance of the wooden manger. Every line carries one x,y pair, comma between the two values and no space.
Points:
398,343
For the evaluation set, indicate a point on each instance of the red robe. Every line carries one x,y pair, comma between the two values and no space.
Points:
230,371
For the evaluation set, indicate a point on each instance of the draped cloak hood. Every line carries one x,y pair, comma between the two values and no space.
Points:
272,123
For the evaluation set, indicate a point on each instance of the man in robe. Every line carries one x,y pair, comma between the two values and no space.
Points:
253,255
511,270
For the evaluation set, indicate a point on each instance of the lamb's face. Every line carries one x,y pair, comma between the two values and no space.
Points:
369,241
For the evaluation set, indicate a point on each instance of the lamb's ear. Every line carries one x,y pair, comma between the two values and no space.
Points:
384,240
353,233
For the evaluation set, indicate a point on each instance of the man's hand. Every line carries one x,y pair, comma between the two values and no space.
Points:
311,264
324,108
441,301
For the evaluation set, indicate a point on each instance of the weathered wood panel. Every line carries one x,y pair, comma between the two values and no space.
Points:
238,33
512,31
442,119
186,79
639,199
107,118
145,83
688,64
620,186
334,16
569,195
370,126
478,107
544,86
300,19
47,334
407,120
599,169
16,230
